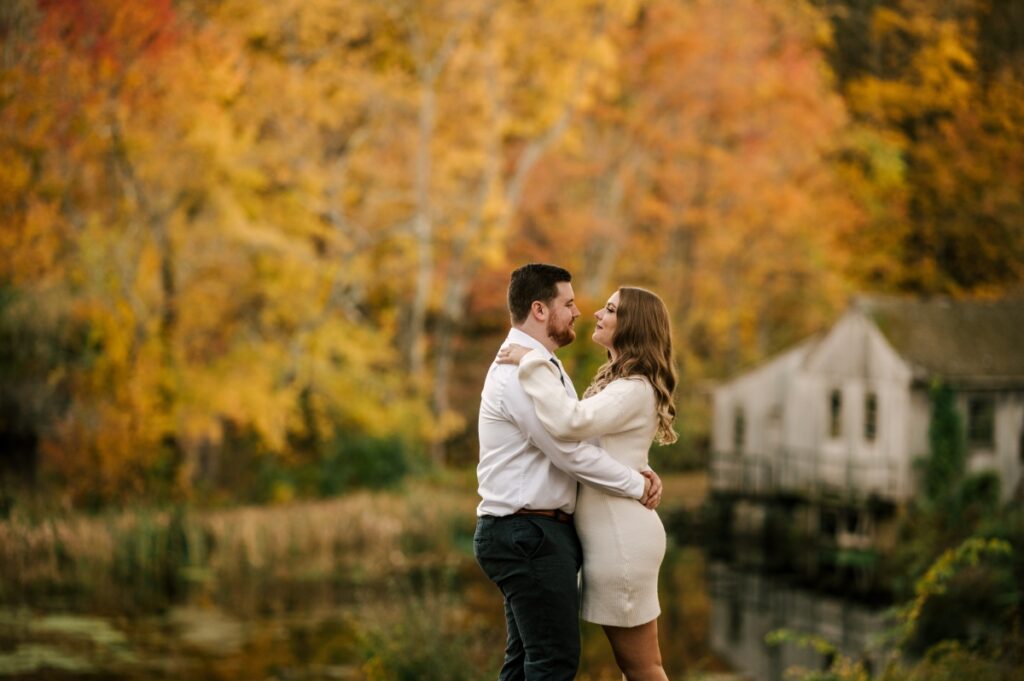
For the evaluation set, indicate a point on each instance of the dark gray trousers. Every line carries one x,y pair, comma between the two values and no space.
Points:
534,561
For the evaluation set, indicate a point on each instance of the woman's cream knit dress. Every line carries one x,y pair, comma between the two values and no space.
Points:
623,542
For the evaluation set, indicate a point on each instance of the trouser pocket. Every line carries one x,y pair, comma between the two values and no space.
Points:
527,536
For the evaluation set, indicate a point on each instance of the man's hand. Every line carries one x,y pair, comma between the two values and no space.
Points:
652,490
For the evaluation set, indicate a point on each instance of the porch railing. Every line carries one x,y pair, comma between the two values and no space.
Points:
806,473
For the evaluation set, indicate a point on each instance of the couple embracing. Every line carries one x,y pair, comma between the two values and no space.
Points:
537,441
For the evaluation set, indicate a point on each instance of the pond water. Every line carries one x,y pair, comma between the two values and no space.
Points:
442,625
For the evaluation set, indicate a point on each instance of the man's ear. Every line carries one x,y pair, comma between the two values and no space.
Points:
539,310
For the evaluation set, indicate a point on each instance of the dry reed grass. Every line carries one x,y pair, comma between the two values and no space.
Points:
359,535
685,490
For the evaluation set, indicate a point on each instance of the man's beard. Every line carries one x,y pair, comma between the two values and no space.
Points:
561,337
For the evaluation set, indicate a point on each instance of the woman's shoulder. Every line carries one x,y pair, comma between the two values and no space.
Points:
633,379
635,384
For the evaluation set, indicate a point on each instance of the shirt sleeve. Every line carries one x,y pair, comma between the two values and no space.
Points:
620,406
584,462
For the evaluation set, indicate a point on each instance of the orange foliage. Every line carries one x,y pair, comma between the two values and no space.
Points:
711,182
284,222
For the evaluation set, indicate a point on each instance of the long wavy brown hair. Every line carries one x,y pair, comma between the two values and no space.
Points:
643,346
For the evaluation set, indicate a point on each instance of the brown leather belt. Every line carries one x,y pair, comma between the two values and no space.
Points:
556,514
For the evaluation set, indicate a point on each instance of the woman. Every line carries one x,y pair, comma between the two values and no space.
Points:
628,404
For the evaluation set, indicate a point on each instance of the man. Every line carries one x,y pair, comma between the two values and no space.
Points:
525,538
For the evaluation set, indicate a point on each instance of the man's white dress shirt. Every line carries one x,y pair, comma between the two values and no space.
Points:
521,465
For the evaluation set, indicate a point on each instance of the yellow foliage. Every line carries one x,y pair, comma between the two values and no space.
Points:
275,218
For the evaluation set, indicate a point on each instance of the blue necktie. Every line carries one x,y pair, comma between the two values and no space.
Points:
561,376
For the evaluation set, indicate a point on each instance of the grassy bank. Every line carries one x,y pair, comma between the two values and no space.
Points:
373,586
157,553
154,553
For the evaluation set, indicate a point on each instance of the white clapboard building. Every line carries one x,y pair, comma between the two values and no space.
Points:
845,414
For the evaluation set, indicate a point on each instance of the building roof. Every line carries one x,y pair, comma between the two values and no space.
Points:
977,342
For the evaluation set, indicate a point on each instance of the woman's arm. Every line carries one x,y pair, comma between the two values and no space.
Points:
620,406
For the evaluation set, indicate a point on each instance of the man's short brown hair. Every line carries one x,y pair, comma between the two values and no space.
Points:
535,281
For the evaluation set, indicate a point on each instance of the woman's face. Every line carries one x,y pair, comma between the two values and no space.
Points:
606,320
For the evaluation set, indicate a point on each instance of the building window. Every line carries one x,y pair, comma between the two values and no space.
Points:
739,429
981,421
870,417
1020,446
735,628
828,523
835,414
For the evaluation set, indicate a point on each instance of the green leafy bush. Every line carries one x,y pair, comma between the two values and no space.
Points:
363,461
996,657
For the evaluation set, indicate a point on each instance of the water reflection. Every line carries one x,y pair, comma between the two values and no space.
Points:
413,627
447,626
746,606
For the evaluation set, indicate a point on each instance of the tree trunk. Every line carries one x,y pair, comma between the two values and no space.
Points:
464,266
596,279
423,233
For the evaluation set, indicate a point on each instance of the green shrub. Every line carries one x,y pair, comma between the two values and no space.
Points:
944,467
994,654
151,555
363,461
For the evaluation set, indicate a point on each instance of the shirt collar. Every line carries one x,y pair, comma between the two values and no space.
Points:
522,338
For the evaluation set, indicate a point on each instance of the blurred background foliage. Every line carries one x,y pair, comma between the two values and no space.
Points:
259,250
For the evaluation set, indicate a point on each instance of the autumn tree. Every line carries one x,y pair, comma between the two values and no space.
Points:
194,280
87,244
936,91
234,230
705,172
